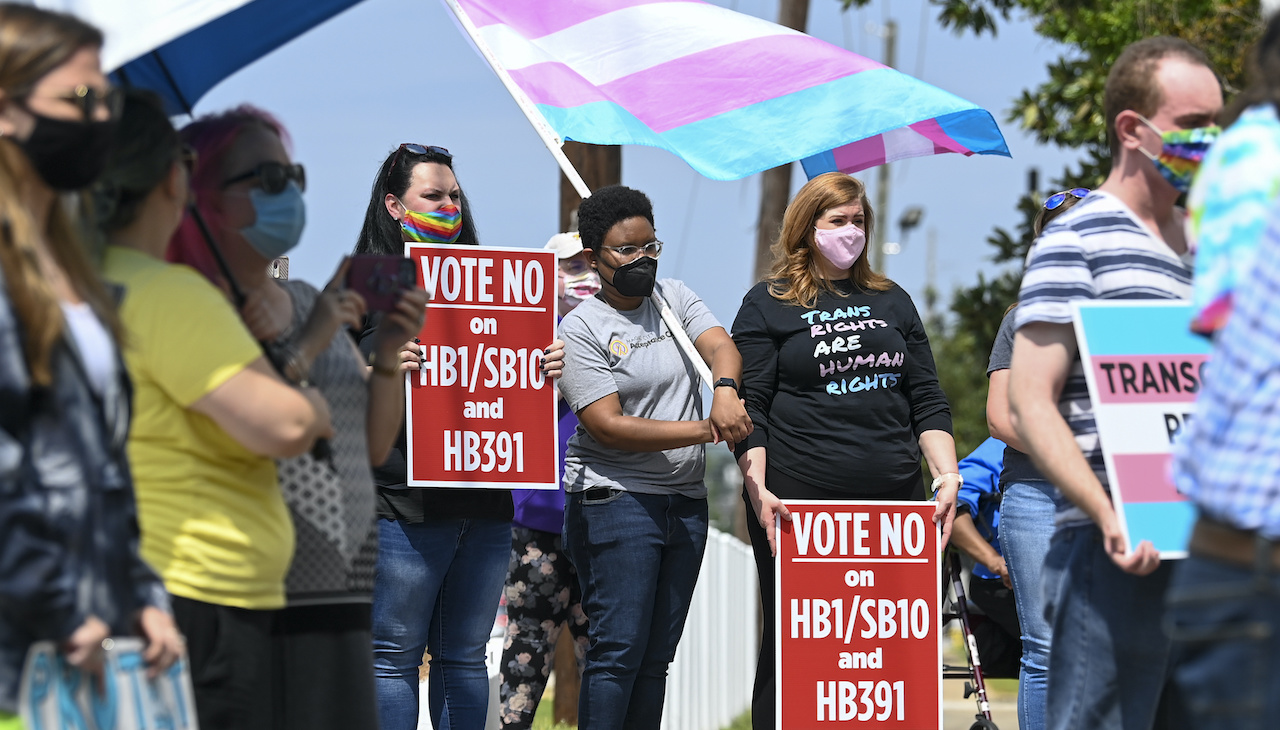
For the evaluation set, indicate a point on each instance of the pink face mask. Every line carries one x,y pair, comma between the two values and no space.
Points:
841,246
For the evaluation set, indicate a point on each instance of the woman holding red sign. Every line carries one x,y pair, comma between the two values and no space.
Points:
840,384
442,553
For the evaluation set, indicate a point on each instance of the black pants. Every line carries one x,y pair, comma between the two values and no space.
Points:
763,696
231,670
323,659
998,633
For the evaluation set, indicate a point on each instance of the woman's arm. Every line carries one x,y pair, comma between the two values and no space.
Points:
266,415
394,354
965,536
939,450
767,507
999,419
728,414
604,420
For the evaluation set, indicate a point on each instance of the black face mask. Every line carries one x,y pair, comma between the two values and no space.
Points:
68,155
636,278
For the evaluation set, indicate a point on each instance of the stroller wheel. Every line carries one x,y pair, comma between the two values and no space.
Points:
983,724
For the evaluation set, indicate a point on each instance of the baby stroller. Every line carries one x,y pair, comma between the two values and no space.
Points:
955,606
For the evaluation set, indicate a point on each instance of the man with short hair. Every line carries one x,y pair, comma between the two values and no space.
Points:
1108,658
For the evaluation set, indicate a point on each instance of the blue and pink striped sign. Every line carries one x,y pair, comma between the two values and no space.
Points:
1144,369
729,93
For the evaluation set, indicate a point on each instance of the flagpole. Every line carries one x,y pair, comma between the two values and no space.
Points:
540,124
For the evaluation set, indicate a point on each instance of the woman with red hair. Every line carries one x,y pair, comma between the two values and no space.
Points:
249,194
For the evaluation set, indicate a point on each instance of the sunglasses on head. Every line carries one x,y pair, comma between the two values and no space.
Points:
1055,201
273,176
417,149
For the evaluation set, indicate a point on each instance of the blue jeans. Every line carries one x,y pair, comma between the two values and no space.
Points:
437,588
638,557
1224,620
1108,664
1026,524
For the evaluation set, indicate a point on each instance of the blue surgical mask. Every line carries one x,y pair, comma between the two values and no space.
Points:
279,223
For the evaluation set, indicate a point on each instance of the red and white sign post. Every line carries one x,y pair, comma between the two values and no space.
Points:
858,587
480,414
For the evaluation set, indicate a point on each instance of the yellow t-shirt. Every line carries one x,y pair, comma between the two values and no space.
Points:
214,522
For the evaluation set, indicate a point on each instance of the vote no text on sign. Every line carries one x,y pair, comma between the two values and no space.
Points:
479,413
1144,368
858,588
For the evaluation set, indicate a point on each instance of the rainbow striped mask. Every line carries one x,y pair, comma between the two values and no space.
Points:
438,226
1181,153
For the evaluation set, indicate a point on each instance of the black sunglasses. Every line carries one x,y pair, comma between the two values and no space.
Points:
1055,201
273,176
88,100
417,149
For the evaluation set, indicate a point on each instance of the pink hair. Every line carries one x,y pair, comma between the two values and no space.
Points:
211,136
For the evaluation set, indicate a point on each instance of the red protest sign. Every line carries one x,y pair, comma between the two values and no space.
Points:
858,586
479,412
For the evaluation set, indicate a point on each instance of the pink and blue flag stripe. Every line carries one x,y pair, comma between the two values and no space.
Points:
729,93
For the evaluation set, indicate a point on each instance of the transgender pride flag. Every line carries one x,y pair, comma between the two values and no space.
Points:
730,94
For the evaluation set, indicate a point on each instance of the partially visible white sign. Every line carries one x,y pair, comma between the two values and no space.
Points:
54,695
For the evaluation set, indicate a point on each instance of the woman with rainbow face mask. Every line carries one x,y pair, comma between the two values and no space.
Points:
442,553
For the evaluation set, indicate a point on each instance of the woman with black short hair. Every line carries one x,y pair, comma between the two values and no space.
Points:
636,511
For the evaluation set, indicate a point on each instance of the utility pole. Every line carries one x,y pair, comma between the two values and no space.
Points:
890,34
931,277
775,184
599,165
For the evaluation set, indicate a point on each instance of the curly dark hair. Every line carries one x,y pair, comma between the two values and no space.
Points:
608,207
380,233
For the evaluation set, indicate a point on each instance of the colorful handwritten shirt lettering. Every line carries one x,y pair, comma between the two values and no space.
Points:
840,392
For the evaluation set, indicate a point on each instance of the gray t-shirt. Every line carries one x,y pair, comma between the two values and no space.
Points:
1017,465
634,355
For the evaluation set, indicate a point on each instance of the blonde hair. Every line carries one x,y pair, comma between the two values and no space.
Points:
34,42
795,276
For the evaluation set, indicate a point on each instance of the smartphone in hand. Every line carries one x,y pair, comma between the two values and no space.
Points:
380,279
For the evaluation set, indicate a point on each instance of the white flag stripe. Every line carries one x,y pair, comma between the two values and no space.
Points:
1139,428
905,142
620,43
134,28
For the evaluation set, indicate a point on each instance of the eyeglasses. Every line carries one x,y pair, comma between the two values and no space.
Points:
653,249
417,149
574,266
88,100
1055,201
273,176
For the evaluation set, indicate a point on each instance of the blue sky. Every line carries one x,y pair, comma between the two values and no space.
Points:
392,71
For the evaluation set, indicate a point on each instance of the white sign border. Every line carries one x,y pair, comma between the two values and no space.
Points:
1086,364
408,395
777,593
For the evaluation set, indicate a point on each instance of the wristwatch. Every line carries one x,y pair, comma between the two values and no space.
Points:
725,382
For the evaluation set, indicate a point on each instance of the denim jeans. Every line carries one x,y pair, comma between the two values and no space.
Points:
1108,663
437,588
638,557
1224,621
1026,525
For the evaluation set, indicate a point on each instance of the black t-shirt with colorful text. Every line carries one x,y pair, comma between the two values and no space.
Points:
840,392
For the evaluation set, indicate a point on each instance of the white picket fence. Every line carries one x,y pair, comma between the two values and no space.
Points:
710,681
